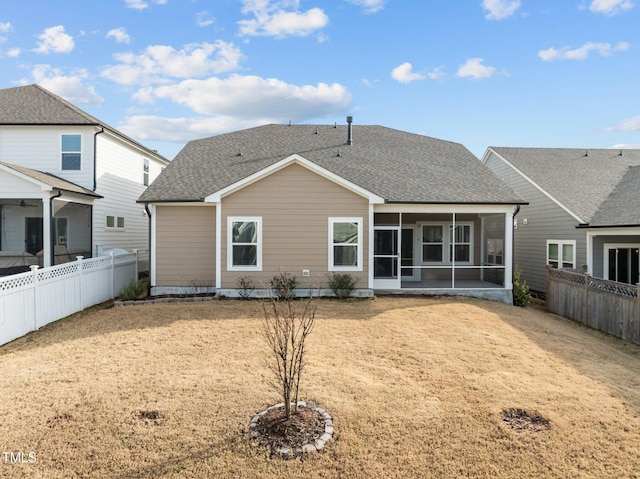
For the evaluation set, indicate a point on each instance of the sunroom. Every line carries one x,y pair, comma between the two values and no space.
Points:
443,249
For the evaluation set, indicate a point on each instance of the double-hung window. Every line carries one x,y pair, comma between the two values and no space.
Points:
145,171
244,245
442,243
71,152
345,244
461,241
561,253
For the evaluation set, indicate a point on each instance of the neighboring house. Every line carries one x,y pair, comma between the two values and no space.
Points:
583,211
68,182
399,212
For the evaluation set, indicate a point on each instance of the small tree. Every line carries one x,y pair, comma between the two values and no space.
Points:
286,325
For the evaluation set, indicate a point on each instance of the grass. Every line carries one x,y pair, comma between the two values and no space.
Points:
416,387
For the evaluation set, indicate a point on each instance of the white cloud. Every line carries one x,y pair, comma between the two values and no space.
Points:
157,63
473,68
626,146
271,18
369,6
142,4
203,19
155,128
500,9
120,35
4,28
581,53
630,124
255,98
610,7
71,87
13,53
404,73
437,74
54,39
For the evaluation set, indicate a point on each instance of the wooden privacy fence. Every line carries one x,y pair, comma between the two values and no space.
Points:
598,303
31,300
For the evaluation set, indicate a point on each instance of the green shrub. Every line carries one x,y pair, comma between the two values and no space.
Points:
245,287
521,294
284,285
133,290
342,285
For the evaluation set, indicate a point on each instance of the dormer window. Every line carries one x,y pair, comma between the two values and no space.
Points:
71,149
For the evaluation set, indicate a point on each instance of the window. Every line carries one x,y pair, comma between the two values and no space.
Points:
622,263
495,251
437,239
561,254
145,172
345,244
432,243
244,249
71,148
114,222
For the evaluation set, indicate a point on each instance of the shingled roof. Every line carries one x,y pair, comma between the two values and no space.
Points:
395,165
53,181
583,181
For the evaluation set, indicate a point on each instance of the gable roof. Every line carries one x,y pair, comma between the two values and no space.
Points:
34,105
50,180
578,179
395,165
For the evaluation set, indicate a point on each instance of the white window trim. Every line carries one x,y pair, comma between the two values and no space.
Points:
561,258
244,219
345,219
146,171
605,254
446,242
80,152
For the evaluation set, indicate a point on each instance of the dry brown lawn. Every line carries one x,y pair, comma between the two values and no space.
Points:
416,387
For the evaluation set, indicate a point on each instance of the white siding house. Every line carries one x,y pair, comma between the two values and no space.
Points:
68,182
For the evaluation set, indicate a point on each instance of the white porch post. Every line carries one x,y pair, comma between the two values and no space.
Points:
46,232
218,245
152,246
508,250
590,236
370,248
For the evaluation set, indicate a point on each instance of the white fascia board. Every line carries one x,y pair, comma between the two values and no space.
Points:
535,185
443,208
11,171
291,160
629,231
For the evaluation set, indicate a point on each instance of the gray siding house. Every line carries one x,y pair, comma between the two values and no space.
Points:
399,212
583,211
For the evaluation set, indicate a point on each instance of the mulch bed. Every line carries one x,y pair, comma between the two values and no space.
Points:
275,432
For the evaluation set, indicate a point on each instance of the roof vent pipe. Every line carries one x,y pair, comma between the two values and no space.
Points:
349,131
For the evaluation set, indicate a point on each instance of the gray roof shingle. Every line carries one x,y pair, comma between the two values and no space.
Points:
51,180
396,165
622,206
579,179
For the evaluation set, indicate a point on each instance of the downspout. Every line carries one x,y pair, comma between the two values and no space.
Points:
52,232
513,249
95,159
146,208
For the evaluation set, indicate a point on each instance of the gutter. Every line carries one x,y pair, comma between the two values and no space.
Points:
95,159
146,208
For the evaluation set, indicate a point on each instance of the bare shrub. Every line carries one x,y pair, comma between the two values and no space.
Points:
286,324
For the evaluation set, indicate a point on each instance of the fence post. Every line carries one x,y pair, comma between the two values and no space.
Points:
80,272
135,270
586,298
34,270
113,274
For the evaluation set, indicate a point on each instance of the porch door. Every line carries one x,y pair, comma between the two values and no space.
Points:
407,251
33,235
624,265
385,258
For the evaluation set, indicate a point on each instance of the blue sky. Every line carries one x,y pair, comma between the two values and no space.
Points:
543,73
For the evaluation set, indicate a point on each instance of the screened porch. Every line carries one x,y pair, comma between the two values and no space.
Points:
441,251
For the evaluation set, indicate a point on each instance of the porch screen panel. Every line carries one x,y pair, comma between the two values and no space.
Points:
432,243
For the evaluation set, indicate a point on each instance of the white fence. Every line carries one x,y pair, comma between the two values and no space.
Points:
29,301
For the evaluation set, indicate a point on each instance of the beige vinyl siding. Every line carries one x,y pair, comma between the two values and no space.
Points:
295,205
185,246
545,221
